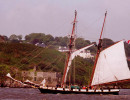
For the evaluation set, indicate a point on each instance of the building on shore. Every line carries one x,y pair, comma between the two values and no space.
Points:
52,78
84,54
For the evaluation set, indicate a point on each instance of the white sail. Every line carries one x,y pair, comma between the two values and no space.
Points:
8,75
75,53
43,83
72,56
111,65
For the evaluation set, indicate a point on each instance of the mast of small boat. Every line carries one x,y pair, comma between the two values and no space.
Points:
71,45
99,48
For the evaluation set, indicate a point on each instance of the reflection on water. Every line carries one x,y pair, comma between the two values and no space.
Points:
34,94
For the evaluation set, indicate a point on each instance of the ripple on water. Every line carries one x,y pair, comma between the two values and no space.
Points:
34,94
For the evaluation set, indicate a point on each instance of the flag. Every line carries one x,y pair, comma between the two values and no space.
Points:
128,41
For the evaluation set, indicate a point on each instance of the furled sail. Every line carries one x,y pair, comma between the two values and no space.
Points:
111,65
72,56
9,76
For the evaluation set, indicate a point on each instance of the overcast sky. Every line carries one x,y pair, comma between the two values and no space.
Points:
22,17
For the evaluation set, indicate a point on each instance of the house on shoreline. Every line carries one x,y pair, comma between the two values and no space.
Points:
52,78
84,54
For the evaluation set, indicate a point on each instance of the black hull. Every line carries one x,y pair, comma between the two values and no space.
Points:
75,92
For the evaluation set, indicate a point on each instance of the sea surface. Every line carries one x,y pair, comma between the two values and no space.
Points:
34,94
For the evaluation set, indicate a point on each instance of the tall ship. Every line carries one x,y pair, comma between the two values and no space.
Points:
110,67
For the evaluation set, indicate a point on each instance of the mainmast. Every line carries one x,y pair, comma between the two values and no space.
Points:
71,45
99,48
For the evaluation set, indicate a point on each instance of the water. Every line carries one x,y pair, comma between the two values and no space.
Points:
34,94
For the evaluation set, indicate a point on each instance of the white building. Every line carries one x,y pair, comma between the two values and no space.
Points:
63,49
84,53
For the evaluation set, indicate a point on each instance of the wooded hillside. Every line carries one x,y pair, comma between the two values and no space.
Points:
17,55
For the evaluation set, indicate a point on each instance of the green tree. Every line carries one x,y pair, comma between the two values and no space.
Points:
4,69
64,41
80,42
13,37
19,37
47,39
33,36
107,42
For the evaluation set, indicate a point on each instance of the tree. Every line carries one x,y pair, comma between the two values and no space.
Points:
64,41
3,38
19,37
13,37
107,42
6,38
80,42
31,37
4,69
58,40
48,39
35,41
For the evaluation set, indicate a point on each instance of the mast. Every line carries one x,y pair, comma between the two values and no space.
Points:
99,48
71,44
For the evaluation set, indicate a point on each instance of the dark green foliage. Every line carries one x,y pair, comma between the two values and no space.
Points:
32,36
4,69
83,69
39,38
57,41
61,41
26,56
24,61
21,56
80,43
3,38
14,38
107,42
48,39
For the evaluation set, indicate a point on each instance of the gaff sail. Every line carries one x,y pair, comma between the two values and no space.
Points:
111,65
72,56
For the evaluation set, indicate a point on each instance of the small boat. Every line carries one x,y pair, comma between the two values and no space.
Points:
110,68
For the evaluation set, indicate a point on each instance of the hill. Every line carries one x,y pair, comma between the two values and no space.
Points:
20,56
16,57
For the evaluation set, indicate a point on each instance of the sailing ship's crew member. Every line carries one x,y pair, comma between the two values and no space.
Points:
57,86
86,88
83,87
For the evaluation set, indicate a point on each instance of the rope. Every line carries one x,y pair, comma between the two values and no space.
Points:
87,27
27,55
33,58
39,54
55,60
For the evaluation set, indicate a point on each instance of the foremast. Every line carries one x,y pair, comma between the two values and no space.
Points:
71,45
99,49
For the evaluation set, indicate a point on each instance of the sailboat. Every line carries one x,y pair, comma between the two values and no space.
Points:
110,67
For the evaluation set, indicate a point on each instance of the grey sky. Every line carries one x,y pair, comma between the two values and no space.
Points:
55,16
